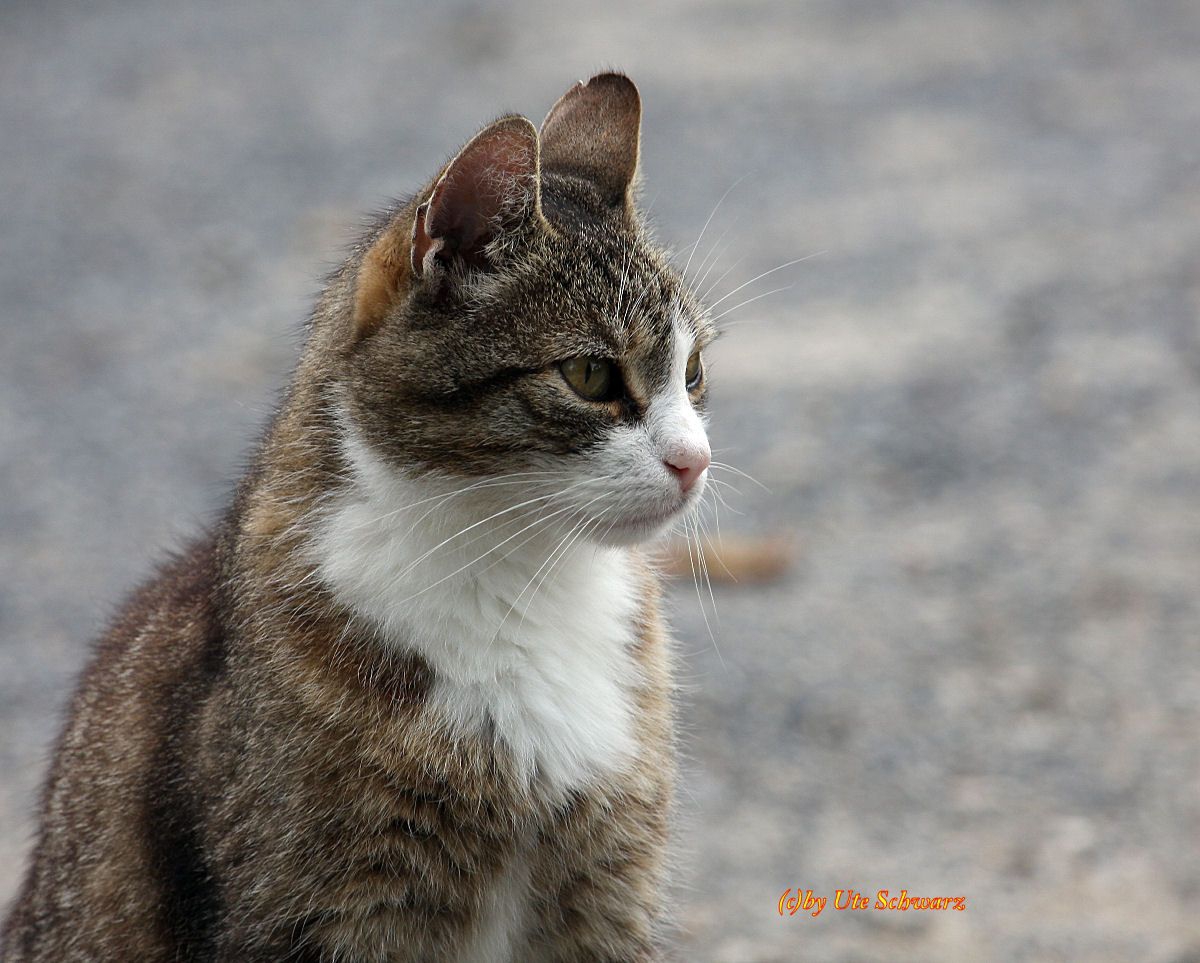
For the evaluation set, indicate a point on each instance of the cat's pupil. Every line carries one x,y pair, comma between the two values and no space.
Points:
694,371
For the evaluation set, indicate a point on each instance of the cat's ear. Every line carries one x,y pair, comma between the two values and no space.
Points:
489,190
594,132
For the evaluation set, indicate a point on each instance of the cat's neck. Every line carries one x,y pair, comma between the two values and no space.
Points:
526,624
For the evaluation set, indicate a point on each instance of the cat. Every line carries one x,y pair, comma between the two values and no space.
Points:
411,698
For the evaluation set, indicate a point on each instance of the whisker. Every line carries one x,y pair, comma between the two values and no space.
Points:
504,511
714,480
537,521
699,597
724,274
759,277
721,498
579,532
529,538
496,481
625,261
713,257
638,303
742,304
407,570
548,561
717,525
737,471
700,539
716,207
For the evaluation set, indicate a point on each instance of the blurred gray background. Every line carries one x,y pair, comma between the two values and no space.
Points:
977,407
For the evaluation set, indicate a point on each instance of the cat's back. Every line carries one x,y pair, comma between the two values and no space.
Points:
117,848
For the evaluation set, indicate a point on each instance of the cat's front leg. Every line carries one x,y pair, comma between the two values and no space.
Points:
599,879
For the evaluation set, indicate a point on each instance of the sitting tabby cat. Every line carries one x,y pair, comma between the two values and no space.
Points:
410,701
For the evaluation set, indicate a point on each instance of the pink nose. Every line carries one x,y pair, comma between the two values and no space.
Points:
687,466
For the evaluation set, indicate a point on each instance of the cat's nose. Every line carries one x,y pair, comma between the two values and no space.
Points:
688,465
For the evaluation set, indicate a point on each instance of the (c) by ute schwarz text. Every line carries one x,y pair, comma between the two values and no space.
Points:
805,902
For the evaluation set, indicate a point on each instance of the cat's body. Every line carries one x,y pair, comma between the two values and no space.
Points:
411,701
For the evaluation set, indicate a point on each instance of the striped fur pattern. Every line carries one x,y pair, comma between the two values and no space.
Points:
410,700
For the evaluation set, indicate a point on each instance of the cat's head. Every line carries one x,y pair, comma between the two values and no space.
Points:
514,322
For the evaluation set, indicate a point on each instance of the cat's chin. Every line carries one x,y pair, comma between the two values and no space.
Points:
636,530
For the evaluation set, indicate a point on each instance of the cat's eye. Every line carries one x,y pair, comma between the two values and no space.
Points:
592,378
694,372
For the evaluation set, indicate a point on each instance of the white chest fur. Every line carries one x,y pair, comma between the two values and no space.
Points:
527,633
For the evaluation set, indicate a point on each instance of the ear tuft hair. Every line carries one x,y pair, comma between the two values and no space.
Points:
490,188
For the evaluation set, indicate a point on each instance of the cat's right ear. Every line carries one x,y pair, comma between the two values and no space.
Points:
485,194
482,198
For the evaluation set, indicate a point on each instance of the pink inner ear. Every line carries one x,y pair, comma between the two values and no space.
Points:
486,189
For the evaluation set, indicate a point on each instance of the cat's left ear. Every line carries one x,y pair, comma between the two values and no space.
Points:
594,132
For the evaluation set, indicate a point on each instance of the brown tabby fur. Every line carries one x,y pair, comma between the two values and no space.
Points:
246,773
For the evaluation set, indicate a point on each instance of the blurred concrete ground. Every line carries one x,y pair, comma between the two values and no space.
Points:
977,410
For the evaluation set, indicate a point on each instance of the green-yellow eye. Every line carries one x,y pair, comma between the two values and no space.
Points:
694,371
592,378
